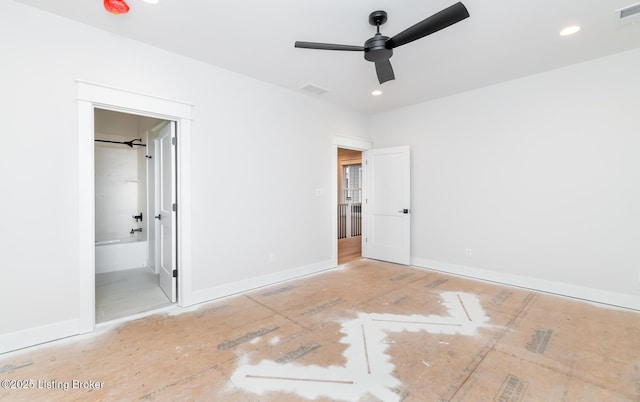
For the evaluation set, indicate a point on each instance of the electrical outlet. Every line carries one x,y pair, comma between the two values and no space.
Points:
468,252
272,258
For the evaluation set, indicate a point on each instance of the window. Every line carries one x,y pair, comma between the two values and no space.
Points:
352,185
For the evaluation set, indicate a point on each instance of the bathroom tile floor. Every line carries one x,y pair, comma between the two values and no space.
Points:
123,293
367,331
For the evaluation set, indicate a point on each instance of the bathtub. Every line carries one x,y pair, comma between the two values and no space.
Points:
120,254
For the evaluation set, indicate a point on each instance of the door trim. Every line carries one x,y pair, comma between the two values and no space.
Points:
92,96
356,144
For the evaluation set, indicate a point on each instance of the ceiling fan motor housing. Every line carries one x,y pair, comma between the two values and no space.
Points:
375,48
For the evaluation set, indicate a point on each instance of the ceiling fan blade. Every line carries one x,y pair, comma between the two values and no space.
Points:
436,22
328,46
384,71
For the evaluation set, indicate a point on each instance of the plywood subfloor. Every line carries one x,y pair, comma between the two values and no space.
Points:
368,331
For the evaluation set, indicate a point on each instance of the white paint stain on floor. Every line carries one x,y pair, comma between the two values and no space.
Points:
368,368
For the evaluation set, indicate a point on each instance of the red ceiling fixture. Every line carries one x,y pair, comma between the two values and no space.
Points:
116,6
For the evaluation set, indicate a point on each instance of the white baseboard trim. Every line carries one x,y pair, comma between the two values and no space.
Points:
34,336
216,292
14,341
541,285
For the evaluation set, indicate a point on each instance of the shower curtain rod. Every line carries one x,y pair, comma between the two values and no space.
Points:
129,143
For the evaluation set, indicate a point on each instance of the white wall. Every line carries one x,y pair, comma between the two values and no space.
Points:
242,184
540,177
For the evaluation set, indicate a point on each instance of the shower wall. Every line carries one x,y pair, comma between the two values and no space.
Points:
120,188
120,178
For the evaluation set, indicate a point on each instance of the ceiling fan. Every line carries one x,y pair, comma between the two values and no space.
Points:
379,48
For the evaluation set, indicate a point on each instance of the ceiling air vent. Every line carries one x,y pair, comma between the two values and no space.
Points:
629,14
313,89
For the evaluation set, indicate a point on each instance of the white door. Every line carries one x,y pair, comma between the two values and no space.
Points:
388,209
165,212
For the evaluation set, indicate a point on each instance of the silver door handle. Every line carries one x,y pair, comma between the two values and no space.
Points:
404,211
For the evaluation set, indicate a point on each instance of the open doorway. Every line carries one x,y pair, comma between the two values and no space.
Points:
349,204
128,202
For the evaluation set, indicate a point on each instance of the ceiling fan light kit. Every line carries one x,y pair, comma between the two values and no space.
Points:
379,48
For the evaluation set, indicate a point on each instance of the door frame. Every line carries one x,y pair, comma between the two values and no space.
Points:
89,97
355,144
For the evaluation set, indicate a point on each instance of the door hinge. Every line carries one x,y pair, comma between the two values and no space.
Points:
366,239
175,273
174,207
173,140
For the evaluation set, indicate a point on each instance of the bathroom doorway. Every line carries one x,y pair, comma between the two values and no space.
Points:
135,182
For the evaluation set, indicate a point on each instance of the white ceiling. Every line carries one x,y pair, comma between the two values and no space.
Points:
502,40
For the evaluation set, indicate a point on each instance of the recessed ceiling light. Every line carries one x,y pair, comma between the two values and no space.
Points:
377,92
570,30
151,1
